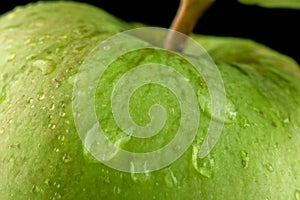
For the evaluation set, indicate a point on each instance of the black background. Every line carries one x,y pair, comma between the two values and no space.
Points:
276,28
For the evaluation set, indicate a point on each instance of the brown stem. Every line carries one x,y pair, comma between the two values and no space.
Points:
188,14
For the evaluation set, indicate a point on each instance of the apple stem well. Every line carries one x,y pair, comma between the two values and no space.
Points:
188,13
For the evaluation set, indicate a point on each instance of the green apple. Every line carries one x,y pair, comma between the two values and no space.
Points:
42,46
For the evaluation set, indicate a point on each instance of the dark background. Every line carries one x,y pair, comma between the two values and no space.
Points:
276,28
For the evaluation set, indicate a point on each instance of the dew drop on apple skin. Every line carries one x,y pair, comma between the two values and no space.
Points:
2,130
36,189
11,57
51,126
46,66
205,103
244,158
269,167
41,96
52,106
106,47
117,190
170,178
139,177
2,95
297,194
204,166
56,196
67,158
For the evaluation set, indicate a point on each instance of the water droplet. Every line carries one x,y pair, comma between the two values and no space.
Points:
2,130
244,158
297,194
52,126
204,166
11,57
62,114
246,125
139,177
32,56
269,167
47,181
46,66
30,101
71,79
170,178
28,41
286,121
106,47
35,189
57,185
56,82
61,138
117,190
57,195
41,96
67,158
186,79
205,103
2,95
56,150
52,107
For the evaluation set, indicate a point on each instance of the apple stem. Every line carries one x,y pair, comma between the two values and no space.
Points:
186,18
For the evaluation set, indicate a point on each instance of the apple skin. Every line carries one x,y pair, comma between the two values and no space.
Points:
42,46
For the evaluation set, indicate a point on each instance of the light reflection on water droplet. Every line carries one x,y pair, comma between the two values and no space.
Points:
244,158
